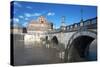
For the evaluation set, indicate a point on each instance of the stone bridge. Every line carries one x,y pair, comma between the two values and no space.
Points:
78,45
80,42
68,37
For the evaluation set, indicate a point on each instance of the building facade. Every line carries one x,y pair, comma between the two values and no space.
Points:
41,24
37,29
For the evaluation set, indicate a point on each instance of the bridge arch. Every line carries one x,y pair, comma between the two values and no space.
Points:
55,39
78,46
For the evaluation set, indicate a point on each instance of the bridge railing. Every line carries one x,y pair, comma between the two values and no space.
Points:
85,25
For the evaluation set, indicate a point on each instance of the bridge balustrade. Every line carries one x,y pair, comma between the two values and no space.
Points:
85,25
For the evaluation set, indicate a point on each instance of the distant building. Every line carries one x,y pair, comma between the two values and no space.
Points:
41,24
16,28
24,30
63,25
37,29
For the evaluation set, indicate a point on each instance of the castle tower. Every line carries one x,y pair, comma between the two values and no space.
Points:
81,21
63,21
63,25
42,19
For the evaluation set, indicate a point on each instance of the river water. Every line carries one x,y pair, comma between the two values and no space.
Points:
35,54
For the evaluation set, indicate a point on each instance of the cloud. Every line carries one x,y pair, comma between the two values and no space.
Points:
25,24
15,20
28,14
17,4
29,7
32,14
36,14
26,18
50,14
21,16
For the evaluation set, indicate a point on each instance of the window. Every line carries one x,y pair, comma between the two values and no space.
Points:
42,21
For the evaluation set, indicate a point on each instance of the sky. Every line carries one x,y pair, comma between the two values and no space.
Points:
24,12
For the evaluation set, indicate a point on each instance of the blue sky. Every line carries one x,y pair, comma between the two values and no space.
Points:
24,12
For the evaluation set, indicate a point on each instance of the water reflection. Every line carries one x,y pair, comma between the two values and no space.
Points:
43,52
